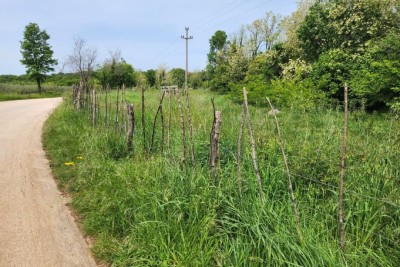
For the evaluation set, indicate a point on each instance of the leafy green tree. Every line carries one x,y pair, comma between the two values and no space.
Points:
37,54
116,74
177,76
290,25
151,77
237,63
196,79
332,71
217,44
377,78
217,62
350,25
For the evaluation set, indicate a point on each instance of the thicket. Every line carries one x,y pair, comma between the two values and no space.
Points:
322,45
148,208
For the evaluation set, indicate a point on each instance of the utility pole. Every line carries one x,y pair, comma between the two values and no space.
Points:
187,38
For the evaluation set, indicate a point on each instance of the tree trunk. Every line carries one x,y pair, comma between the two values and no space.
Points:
39,84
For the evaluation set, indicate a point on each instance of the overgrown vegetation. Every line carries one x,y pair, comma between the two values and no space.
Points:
149,209
323,44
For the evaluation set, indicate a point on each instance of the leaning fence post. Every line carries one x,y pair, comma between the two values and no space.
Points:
342,169
239,149
155,120
253,146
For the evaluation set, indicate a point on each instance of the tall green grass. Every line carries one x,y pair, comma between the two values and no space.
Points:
149,209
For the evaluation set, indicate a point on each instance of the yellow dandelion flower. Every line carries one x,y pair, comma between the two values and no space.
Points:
79,157
69,163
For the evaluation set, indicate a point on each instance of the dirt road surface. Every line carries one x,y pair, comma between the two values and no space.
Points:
36,227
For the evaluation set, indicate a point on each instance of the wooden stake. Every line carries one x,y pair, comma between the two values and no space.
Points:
342,170
155,120
169,122
190,127
143,123
182,117
131,126
116,122
214,139
253,147
239,149
94,107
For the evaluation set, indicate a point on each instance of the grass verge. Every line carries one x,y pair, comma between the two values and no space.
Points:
149,209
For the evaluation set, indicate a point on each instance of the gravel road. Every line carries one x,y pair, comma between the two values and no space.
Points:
36,227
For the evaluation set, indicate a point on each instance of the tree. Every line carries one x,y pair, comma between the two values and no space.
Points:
116,72
37,54
82,60
217,43
289,27
151,77
349,25
216,67
377,78
177,76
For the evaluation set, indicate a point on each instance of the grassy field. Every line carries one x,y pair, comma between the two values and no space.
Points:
16,91
149,209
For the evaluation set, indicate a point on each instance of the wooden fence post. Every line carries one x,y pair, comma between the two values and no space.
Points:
190,127
131,126
155,120
239,149
143,123
183,128
253,146
214,139
94,107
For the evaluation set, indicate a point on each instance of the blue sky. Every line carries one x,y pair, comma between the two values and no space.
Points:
147,32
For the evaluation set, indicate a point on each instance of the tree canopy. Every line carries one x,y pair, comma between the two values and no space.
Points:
37,54
310,55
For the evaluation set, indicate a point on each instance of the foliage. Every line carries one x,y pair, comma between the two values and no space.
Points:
216,59
37,54
177,77
383,77
289,27
116,74
295,70
349,25
151,77
332,71
282,92
196,79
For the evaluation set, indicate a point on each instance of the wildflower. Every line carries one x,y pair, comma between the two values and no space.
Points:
79,157
69,163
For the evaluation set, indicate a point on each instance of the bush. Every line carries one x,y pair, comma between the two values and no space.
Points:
281,92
